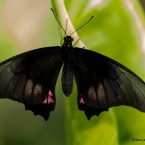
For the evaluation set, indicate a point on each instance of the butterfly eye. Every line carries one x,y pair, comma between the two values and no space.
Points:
65,38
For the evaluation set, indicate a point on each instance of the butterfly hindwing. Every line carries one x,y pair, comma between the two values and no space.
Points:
30,78
103,83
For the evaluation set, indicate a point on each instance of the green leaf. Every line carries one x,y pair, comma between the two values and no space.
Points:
111,32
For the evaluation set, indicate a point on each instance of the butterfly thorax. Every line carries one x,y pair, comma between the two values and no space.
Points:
67,42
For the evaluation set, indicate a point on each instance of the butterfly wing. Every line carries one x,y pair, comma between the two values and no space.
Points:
30,78
103,83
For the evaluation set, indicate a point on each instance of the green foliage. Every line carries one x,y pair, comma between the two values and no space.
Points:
111,32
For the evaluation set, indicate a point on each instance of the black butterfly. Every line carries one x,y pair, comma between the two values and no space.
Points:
30,78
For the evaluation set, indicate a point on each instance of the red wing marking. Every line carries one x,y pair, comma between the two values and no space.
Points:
49,99
82,101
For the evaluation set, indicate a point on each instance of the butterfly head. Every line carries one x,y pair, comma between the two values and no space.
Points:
68,41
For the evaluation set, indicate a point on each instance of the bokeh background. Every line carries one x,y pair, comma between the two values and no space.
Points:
117,30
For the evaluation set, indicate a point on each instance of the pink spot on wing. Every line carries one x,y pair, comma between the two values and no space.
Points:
50,93
82,101
49,99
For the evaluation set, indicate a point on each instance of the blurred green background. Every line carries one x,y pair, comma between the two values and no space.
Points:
117,30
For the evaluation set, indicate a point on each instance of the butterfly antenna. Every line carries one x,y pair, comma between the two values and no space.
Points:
82,25
58,21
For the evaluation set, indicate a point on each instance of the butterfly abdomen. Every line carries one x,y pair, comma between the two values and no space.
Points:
67,79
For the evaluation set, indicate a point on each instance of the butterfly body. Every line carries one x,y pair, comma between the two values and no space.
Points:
30,78
67,73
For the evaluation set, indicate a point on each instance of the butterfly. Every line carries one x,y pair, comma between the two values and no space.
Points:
30,78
